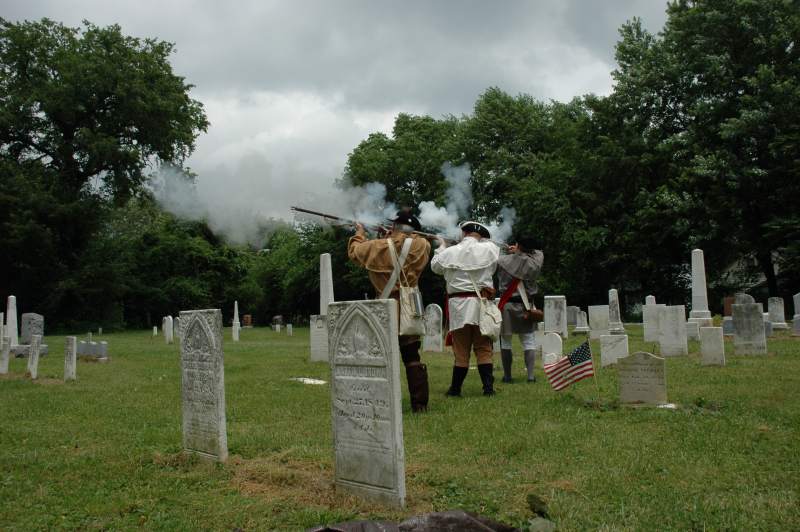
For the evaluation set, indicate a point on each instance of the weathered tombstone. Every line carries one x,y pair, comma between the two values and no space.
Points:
365,400
598,321
2,324
155,331
550,358
432,341
672,331
552,344
32,323
650,300
93,349
650,323
5,353
642,379
33,356
289,330
692,330
277,327
102,351
12,331
712,346
767,325
83,348
612,348
319,338
582,326
796,317
169,329
727,326
614,314
741,298
776,313
699,313
572,315
99,331
750,337
726,305
70,358
203,384
235,326
555,315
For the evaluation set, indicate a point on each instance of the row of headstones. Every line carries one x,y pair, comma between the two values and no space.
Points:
32,369
31,324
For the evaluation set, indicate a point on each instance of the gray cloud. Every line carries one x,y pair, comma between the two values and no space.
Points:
294,86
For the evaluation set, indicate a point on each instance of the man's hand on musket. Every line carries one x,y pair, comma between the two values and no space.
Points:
360,231
441,242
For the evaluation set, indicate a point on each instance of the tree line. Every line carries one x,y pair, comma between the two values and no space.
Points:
698,145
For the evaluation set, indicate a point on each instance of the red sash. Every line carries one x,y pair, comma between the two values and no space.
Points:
508,293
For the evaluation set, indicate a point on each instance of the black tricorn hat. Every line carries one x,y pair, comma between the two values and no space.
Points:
475,227
405,217
528,243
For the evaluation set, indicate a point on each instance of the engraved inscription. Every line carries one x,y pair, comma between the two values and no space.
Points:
642,379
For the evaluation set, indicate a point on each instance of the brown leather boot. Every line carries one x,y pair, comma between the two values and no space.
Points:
417,376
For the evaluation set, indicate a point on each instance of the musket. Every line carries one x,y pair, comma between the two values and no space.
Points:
338,220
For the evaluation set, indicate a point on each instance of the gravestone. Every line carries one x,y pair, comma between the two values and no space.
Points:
319,338
614,314
555,315
203,384
289,330
727,326
796,317
12,330
712,346
433,341
366,401
582,326
552,344
598,321
33,356
699,313
612,348
169,331
325,283
726,305
155,331
642,379
70,358
32,323
742,298
672,331
5,353
767,325
750,337
693,330
776,313
650,323
650,300
2,324
572,315
236,325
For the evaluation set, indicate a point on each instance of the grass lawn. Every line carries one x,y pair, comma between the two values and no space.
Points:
105,452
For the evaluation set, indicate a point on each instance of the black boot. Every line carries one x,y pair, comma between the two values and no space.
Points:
417,376
530,360
506,355
459,374
487,378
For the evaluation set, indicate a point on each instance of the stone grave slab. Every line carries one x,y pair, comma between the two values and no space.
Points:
555,315
582,325
693,330
5,353
796,318
727,326
319,338
712,346
12,329
552,344
776,313
699,313
366,400
650,327
433,340
70,358
289,329
672,337
598,321
750,335
33,356
32,323
612,348
642,379
203,384
572,315
614,313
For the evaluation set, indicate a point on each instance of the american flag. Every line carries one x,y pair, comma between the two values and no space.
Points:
571,368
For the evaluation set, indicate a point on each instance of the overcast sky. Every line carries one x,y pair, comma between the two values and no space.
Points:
290,88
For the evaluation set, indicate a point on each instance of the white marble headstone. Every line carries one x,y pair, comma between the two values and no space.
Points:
33,356
70,356
776,313
712,346
699,313
203,384
672,331
319,338
582,326
32,323
642,379
612,348
12,330
155,330
650,300
555,315
693,330
365,399
433,341
598,321
289,329
325,283
796,318
614,313
650,326
5,354
552,344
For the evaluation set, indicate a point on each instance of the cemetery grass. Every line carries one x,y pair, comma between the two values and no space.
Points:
105,452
